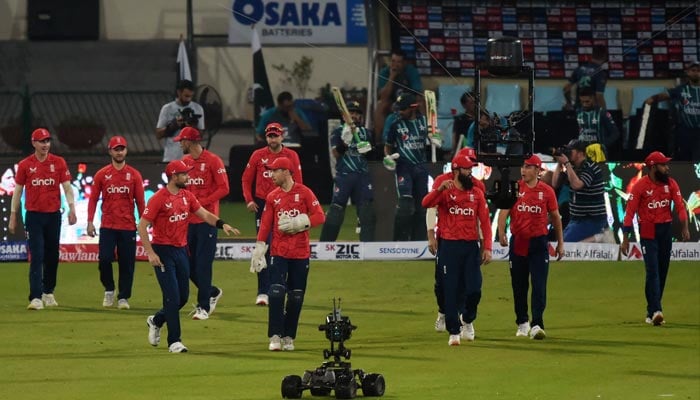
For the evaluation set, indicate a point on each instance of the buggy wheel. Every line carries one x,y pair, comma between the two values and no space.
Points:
291,387
373,385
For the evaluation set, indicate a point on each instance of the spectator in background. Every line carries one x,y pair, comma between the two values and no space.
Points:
176,115
42,174
686,103
595,124
462,122
589,75
651,199
257,176
291,118
121,188
395,79
352,179
588,216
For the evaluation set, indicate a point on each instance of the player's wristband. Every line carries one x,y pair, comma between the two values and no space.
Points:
220,223
626,229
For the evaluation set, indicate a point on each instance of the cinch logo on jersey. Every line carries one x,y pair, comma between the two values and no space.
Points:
118,189
286,13
43,182
659,204
267,174
522,207
289,213
469,212
195,181
179,217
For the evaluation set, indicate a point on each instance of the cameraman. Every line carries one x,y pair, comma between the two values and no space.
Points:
588,217
176,115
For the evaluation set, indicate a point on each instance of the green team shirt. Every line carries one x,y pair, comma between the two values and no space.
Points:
596,126
409,138
351,160
686,101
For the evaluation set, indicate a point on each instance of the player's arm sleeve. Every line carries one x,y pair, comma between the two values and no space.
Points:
221,182
551,199
316,214
139,194
431,199
247,179
266,221
66,173
631,208
485,224
678,202
94,196
296,174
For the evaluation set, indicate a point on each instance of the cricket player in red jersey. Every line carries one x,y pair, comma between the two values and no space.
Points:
208,181
256,174
431,221
42,174
121,188
290,211
530,216
462,209
168,212
650,199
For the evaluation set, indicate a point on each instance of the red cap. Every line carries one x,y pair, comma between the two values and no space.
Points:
533,160
462,161
176,167
469,152
274,128
656,157
40,134
188,133
280,163
117,141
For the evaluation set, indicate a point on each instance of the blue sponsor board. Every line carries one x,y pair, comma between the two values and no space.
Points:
13,251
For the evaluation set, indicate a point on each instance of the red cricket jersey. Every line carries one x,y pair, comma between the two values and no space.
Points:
42,182
299,200
255,172
169,215
208,181
459,211
120,190
478,184
529,216
652,204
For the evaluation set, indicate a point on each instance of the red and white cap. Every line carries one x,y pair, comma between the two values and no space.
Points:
656,157
469,152
176,167
534,160
462,161
274,128
116,141
280,163
188,133
40,134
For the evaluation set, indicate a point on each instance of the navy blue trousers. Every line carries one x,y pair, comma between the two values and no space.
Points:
287,279
201,243
535,267
125,244
460,266
43,234
657,259
264,275
174,281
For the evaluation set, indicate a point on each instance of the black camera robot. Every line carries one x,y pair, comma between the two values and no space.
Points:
334,375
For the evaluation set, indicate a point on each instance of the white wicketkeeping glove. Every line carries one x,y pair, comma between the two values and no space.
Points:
346,134
296,224
257,261
390,161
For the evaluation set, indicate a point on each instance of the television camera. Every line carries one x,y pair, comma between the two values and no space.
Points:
503,144
190,117
335,374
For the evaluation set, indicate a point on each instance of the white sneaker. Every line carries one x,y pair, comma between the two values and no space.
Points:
108,300
262,300
454,340
35,304
287,343
123,304
440,323
177,347
523,329
649,321
214,300
153,331
467,332
537,333
275,343
200,314
49,300
656,319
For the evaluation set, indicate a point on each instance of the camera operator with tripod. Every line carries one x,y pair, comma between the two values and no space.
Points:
176,115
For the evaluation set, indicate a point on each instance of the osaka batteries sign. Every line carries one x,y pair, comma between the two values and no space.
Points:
298,22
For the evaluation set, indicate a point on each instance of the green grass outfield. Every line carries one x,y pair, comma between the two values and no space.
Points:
598,346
